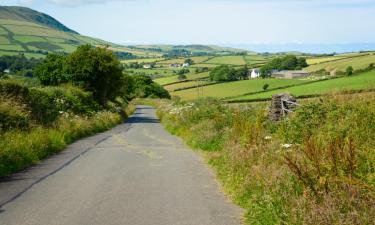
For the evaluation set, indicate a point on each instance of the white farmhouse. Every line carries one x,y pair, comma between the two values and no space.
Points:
255,73
185,65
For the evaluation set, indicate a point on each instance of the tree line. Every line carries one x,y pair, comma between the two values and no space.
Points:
288,62
98,71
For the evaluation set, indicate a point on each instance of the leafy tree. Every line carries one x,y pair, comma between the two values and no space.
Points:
183,71
242,73
371,66
265,87
97,70
51,71
145,87
288,62
222,73
182,77
265,71
189,61
349,71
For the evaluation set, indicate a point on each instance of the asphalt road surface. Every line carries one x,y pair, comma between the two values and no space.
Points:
134,174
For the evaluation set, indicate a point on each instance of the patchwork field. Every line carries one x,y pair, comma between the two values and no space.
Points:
231,60
236,88
356,82
188,84
173,79
360,62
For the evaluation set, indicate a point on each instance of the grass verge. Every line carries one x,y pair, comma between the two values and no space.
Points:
315,167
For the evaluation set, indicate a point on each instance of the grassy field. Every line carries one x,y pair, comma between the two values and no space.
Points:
356,82
317,60
356,62
172,79
15,33
145,60
173,87
236,88
196,59
231,60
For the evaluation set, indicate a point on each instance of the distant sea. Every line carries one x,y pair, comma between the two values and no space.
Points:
306,48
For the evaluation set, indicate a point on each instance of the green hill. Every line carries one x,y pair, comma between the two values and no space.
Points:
35,34
32,16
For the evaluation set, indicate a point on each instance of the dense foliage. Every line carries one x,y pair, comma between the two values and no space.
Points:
18,64
315,167
144,87
288,62
228,73
96,70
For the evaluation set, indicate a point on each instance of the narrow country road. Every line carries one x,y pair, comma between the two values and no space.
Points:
134,174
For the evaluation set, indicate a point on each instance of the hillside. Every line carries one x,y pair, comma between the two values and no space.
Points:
32,16
34,34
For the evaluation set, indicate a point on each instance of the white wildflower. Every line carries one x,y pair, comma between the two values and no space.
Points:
286,145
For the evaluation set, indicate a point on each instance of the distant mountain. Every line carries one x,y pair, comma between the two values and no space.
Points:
32,16
205,49
35,34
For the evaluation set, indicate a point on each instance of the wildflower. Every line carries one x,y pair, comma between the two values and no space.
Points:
286,145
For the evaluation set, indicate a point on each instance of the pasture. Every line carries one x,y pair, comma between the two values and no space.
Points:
236,88
360,62
187,84
173,79
355,82
230,60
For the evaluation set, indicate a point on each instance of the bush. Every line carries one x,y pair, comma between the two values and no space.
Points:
315,167
19,149
46,104
12,116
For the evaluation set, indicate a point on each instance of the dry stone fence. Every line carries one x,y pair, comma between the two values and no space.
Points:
281,105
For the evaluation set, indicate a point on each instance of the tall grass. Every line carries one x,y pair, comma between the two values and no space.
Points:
315,167
37,122
19,149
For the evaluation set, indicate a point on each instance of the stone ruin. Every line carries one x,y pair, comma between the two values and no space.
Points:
281,105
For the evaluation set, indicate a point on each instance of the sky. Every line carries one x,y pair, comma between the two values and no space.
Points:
223,22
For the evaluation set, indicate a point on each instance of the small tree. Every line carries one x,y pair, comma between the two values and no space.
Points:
371,66
265,87
189,61
349,71
182,77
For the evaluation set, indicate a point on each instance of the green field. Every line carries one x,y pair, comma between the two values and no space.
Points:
172,79
360,62
194,83
16,33
317,60
145,60
26,39
357,82
230,60
236,88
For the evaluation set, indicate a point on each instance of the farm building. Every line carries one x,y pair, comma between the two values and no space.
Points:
185,65
290,74
147,66
175,65
255,73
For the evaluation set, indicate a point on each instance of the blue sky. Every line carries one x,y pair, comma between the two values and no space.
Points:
215,21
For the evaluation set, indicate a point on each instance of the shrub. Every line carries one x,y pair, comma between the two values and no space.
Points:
12,116
315,167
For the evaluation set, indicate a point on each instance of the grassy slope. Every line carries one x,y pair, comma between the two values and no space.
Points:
356,62
236,88
357,82
232,60
172,79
